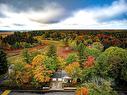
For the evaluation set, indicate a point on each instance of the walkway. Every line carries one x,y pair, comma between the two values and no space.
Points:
56,85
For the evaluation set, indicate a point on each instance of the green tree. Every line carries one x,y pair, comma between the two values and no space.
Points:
73,57
51,63
113,63
99,86
27,45
92,52
52,51
81,49
26,56
16,45
3,62
98,46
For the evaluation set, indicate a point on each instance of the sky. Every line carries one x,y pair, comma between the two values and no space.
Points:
62,14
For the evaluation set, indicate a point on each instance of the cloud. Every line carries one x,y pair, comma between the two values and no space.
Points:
47,14
94,16
118,24
30,17
121,24
117,8
50,16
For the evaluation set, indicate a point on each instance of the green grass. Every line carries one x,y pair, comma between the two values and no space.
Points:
15,59
18,58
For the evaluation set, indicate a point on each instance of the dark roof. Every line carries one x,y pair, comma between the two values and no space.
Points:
60,74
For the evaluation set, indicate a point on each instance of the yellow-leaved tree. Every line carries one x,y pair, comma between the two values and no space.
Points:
61,62
38,60
71,68
40,72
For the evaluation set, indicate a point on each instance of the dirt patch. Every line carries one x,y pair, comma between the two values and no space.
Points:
64,51
15,52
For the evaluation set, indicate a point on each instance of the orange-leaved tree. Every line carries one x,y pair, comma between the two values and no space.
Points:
82,91
89,62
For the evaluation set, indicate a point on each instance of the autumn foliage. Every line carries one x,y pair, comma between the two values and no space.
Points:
37,60
82,91
40,74
39,70
83,55
89,62
72,67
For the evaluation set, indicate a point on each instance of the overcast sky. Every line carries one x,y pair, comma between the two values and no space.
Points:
63,14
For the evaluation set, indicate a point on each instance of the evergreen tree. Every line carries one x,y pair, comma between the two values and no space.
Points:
81,49
52,51
26,56
52,61
3,62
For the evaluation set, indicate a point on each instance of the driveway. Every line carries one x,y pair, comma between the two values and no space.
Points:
50,93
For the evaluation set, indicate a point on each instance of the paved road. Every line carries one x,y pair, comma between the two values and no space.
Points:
50,93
